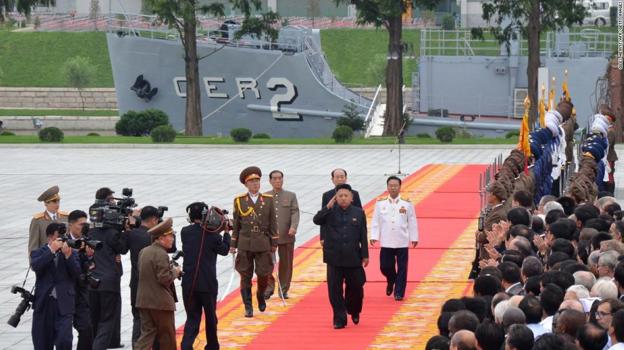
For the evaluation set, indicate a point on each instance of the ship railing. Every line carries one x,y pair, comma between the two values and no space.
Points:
368,120
441,105
585,42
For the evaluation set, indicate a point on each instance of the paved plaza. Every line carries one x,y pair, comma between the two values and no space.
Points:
176,176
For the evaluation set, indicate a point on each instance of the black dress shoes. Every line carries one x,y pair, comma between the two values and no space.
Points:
389,288
398,298
355,318
339,325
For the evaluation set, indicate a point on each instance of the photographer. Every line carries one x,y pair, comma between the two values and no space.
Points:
199,282
82,320
105,301
57,270
136,240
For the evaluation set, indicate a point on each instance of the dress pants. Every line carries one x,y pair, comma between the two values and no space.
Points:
194,303
247,262
103,306
157,325
51,329
393,263
349,301
285,269
82,320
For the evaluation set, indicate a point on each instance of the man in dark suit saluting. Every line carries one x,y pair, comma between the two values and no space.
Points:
57,268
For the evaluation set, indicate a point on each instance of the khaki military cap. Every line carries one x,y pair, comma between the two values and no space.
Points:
162,229
498,189
50,194
250,173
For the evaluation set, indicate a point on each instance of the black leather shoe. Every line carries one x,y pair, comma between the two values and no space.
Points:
355,318
398,298
261,302
285,295
246,295
267,296
389,288
339,326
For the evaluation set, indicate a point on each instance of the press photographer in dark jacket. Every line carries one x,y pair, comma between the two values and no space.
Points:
200,287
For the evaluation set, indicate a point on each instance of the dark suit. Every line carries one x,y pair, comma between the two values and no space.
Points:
54,299
105,301
327,196
82,317
200,286
344,247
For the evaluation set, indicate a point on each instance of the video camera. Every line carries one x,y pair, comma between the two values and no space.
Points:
83,241
216,220
106,214
23,306
161,212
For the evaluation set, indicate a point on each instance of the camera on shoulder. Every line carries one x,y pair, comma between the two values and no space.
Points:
113,212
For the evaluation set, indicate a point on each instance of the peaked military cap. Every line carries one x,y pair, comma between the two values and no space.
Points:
162,229
50,194
250,173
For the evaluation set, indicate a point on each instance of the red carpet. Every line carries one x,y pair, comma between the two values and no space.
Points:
442,217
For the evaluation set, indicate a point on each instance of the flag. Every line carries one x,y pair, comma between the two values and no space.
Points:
523,137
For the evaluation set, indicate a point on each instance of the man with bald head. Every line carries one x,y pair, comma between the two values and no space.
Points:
464,340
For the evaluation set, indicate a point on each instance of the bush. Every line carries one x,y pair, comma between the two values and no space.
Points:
463,134
448,22
423,136
141,123
7,133
93,134
351,118
261,136
343,134
512,134
163,133
240,134
51,134
445,134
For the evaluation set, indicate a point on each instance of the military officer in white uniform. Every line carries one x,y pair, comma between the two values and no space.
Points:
395,227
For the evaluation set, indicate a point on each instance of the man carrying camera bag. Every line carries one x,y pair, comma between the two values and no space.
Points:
57,268
201,242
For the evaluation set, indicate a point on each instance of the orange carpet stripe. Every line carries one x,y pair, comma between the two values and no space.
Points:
235,331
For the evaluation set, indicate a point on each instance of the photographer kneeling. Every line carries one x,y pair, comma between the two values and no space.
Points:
57,269
201,242
77,230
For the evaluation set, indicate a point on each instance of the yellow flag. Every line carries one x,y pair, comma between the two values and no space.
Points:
523,138
542,109
551,96
564,87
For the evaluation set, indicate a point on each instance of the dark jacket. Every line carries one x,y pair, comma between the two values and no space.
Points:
327,196
106,269
206,279
346,241
61,275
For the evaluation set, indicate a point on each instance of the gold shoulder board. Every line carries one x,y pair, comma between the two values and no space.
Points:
405,198
63,213
39,215
267,195
382,198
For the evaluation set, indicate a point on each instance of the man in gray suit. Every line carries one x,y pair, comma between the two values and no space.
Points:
287,218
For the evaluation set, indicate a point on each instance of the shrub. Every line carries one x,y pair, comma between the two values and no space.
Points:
445,134
343,134
423,136
51,134
448,22
351,118
93,134
261,136
512,134
463,134
240,134
134,123
163,133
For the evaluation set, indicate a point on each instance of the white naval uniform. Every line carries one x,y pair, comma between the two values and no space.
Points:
394,223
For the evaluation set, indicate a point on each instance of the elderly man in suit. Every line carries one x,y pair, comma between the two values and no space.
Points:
57,269
287,217
156,293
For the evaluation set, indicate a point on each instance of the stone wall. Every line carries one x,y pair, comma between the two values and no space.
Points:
58,98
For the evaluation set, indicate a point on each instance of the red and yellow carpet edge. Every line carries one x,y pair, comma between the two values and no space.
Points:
447,204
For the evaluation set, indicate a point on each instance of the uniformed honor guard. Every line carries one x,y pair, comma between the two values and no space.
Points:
287,218
156,294
57,269
254,235
395,227
40,221
345,251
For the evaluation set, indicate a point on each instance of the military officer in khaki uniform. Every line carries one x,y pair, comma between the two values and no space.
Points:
254,234
287,218
495,213
156,293
40,221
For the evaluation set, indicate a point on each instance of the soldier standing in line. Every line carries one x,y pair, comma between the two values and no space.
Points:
254,234
40,221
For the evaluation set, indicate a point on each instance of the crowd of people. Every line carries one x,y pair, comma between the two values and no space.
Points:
549,267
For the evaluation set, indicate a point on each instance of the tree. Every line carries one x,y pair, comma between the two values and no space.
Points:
387,13
182,16
530,18
22,6
79,72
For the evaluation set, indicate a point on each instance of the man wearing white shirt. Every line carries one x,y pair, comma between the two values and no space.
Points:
616,331
395,227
